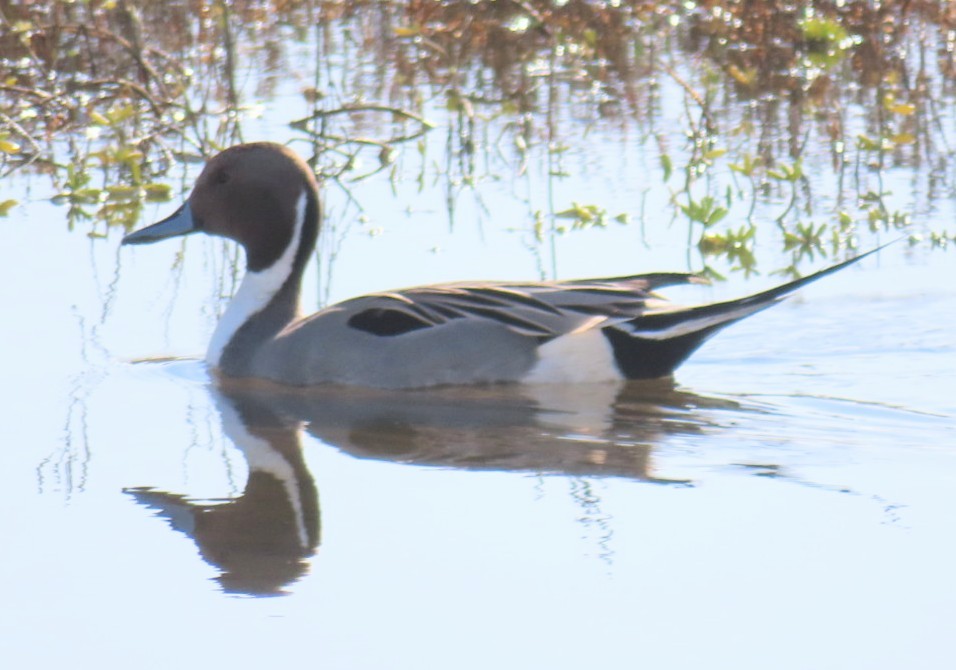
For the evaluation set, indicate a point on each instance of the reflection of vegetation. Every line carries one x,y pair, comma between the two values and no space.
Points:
795,114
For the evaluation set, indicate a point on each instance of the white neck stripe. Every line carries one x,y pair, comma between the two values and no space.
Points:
257,290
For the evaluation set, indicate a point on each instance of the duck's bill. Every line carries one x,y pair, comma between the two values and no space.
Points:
178,223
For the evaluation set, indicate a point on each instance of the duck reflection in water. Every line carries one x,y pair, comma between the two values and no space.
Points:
263,539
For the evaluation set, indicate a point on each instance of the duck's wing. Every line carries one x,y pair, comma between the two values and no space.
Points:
541,310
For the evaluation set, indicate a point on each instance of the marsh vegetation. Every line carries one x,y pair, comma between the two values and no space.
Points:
809,126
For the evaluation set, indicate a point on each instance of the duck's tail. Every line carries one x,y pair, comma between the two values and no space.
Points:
655,344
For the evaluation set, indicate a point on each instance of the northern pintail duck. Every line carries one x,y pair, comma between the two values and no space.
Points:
265,197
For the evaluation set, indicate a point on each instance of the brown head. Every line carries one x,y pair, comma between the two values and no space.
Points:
248,193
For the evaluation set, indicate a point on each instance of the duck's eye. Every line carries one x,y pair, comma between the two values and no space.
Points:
221,177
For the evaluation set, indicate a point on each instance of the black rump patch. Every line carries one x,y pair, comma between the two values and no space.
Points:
386,322
640,358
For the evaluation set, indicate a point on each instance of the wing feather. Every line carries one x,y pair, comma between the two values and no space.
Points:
539,310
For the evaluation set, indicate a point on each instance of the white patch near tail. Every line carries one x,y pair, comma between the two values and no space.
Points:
693,324
256,290
579,357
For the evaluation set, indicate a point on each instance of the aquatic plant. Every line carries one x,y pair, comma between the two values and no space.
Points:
797,112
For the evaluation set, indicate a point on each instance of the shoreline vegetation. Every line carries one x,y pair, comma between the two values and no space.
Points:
800,111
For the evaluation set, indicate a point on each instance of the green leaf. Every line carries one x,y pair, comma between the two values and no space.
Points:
158,192
787,172
6,206
902,108
667,166
868,143
122,192
117,115
705,211
747,166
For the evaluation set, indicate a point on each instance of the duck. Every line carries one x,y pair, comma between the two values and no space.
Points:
265,197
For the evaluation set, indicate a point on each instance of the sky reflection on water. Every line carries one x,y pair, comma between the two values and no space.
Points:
809,513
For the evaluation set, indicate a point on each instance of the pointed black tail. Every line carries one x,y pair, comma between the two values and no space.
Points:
655,344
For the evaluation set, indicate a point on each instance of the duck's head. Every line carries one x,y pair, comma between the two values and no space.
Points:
250,193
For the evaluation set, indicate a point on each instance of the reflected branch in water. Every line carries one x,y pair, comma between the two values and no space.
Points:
66,469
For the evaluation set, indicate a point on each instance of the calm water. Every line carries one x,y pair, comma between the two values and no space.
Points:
787,503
